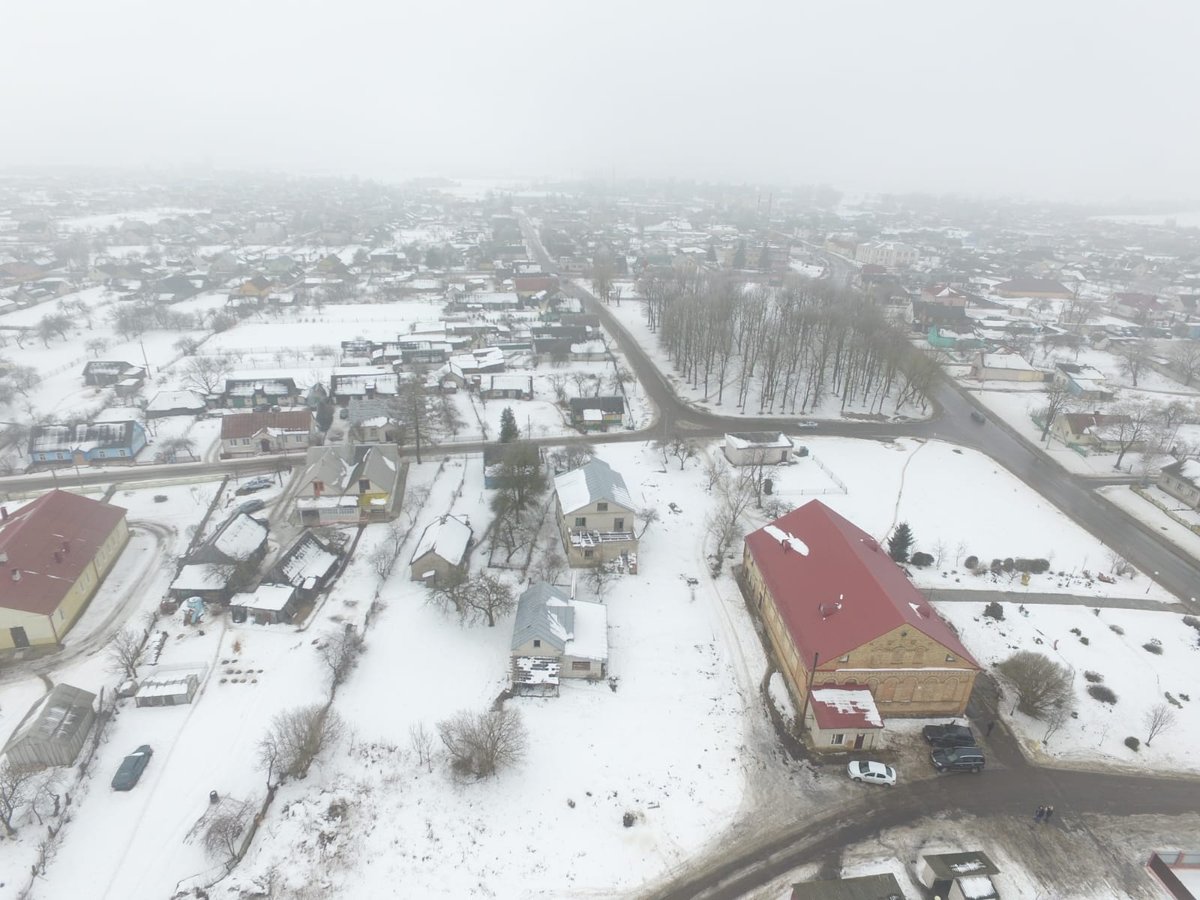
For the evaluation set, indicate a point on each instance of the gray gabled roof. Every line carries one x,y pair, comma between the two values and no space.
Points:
595,481
544,612
64,712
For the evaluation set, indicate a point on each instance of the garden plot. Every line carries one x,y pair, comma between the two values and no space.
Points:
1146,659
959,503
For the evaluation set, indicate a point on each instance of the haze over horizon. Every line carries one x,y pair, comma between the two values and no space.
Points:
1062,102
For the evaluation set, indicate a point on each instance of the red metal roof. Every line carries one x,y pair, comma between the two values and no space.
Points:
849,706
50,542
844,591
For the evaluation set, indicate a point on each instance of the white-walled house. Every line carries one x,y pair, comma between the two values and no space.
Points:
595,516
556,636
251,433
753,448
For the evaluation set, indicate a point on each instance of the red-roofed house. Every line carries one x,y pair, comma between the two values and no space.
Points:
843,718
54,553
838,611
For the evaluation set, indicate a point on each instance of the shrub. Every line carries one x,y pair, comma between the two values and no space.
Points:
997,566
1093,677
921,560
1153,647
1102,693
994,610
972,562
1116,629
1076,632
1041,685
1084,641
1008,564
1185,697
1132,743
1192,621
1172,700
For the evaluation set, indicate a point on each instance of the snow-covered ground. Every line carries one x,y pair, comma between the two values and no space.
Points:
631,314
958,503
1138,505
1110,643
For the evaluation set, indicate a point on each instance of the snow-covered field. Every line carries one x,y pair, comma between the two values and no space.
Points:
1110,644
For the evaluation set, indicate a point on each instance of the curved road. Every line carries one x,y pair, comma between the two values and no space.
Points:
1011,789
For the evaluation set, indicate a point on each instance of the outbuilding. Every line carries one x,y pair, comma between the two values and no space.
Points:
54,735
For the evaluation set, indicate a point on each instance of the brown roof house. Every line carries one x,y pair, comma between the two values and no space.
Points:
1095,432
246,434
54,554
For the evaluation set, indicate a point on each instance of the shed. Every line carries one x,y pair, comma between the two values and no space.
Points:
55,734
442,549
167,689
269,604
960,876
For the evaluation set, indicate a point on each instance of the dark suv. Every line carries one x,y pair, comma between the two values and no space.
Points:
948,735
958,759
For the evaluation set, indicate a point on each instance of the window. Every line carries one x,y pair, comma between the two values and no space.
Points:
364,485
245,440
588,554
318,487
845,658
951,658
120,453
601,507
581,665
581,521
618,524
837,740
537,642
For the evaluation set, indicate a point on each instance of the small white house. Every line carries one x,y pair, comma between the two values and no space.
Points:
754,448
556,636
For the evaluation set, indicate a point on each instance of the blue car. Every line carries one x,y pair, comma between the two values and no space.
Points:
131,768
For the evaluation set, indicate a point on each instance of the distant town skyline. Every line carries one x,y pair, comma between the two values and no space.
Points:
1022,99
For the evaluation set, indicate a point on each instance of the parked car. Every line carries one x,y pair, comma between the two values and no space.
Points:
252,506
958,759
872,773
948,735
978,418
131,768
255,484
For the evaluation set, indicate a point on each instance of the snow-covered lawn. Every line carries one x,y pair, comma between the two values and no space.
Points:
959,503
1115,651
1143,509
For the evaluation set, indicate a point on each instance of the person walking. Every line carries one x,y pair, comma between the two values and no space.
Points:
1048,813
1037,816
991,725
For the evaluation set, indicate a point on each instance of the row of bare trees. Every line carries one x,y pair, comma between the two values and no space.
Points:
792,346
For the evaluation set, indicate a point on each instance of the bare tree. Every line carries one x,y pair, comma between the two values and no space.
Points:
172,447
340,650
1040,683
421,742
648,515
126,651
295,739
1135,357
1159,718
414,501
16,790
599,577
1130,424
715,469
205,374
1185,359
225,828
1058,400
482,743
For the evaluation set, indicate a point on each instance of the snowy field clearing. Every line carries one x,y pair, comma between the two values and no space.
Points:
1115,650
960,500
631,314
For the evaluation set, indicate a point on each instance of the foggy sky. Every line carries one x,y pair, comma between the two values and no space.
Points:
1054,99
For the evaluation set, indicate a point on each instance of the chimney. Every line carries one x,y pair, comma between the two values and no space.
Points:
16,574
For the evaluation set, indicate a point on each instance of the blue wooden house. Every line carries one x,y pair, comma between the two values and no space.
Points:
86,444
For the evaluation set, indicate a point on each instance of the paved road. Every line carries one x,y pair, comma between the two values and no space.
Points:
1010,794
